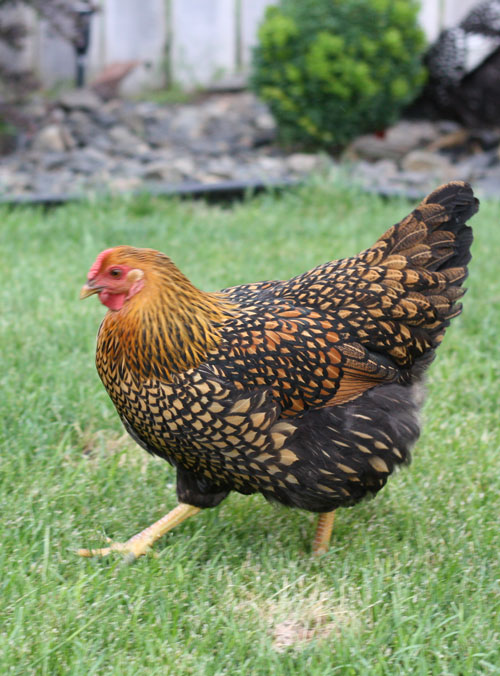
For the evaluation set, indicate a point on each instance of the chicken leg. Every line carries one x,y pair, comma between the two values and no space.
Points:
139,544
323,532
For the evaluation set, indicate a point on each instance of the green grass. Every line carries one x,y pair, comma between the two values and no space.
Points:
411,583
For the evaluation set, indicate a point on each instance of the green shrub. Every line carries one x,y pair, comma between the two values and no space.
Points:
333,69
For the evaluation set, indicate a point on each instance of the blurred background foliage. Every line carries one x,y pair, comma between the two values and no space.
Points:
331,70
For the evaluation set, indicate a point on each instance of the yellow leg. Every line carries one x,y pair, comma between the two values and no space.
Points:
323,532
140,543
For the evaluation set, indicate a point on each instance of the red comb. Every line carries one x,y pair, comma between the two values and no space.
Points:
97,265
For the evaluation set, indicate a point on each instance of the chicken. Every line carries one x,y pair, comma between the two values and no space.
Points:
306,391
464,70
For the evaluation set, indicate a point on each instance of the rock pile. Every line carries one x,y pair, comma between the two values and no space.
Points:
85,144
81,144
414,156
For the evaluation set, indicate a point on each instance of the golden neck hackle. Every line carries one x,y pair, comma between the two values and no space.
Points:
167,328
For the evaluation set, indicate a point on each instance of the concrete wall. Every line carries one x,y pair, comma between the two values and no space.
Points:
192,41
438,14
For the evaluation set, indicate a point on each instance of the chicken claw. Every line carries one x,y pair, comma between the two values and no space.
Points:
141,543
131,549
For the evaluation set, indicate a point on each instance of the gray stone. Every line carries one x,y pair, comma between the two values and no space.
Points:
28,161
305,163
57,115
162,171
53,138
82,127
187,124
476,165
186,166
413,178
125,142
148,110
35,108
426,161
157,132
104,118
87,161
13,181
375,173
489,184
84,99
486,139
206,178
102,142
124,184
129,116
446,127
131,168
273,167
46,184
396,142
159,155
53,160
120,145
265,121
221,167
208,146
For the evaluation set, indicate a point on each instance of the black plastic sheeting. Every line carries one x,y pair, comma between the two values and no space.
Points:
225,191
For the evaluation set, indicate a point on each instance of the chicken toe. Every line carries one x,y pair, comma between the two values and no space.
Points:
139,544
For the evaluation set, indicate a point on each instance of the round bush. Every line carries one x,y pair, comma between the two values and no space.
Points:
333,69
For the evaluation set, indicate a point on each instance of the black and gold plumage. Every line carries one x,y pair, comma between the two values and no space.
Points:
307,390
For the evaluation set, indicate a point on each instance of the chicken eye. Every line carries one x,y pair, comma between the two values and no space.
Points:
115,272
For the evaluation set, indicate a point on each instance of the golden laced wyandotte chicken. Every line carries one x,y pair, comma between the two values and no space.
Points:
307,390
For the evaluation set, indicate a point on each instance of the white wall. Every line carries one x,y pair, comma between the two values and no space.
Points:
251,15
203,39
203,35
438,14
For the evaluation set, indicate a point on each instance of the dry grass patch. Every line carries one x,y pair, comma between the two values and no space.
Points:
299,614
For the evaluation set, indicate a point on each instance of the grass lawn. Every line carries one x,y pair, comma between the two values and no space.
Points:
411,584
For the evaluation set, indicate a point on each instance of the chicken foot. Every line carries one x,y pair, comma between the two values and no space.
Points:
139,544
323,533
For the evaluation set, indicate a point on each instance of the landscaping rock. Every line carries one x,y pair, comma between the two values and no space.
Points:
489,183
53,139
395,143
186,166
53,160
305,163
157,132
125,142
85,144
377,173
124,184
83,128
425,161
162,171
87,161
84,99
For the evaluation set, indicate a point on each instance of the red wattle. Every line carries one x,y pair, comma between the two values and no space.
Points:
112,300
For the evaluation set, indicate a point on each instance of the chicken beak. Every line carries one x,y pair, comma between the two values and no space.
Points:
88,290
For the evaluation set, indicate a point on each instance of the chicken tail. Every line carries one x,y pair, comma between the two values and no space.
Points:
435,235
421,264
